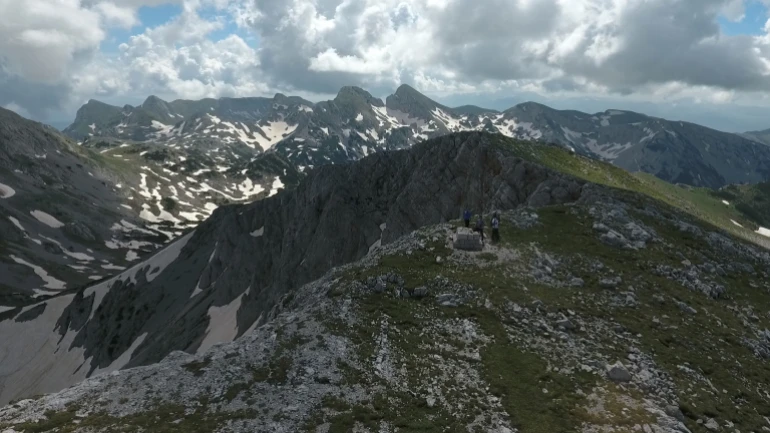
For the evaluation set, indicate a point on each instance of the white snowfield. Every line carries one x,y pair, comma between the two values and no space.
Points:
763,231
43,362
50,281
47,219
6,191
277,184
223,323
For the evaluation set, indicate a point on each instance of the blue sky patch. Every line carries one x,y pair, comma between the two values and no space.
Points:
752,24
149,17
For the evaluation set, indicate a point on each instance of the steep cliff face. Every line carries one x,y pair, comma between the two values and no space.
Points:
227,275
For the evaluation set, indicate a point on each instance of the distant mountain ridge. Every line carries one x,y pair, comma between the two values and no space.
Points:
72,214
759,136
355,124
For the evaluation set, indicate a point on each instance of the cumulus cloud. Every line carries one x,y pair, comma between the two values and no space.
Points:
120,16
50,58
655,49
617,46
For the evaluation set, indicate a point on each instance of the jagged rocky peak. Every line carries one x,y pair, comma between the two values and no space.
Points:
352,93
152,100
408,100
356,124
280,98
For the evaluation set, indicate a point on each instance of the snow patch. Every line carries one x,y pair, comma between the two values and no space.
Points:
50,281
83,257
763,231
451,123
273,133
727,203
249,188
17,224
737,223
47,219
6,191
258,233
277,184
223,324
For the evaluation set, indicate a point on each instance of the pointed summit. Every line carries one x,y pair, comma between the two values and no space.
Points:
153,100
408,100
349,94
405,90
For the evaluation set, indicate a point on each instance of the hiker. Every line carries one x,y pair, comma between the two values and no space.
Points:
467,218
495,228
480,228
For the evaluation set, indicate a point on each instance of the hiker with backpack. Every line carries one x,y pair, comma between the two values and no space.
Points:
480,228
496,228
467,218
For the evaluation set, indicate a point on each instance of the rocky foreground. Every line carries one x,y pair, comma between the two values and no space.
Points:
611,314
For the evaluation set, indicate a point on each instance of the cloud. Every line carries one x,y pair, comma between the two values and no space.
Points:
120,16
618,46
40,40
177,60
643,49
50,58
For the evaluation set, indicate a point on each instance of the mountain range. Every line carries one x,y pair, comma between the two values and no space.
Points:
274,264
612,301
73,214
356,124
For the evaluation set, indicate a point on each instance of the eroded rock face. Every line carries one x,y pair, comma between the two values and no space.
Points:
333,217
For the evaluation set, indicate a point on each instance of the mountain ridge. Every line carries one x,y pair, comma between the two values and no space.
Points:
73,213
292,242
355,124
586,306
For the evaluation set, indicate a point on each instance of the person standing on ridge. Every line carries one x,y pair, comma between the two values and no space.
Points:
495,228
480,228
467,218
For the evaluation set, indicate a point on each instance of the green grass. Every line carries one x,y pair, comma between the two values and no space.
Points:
518,375
751,207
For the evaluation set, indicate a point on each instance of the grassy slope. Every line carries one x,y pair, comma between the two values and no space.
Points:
703,203
708,342
753,201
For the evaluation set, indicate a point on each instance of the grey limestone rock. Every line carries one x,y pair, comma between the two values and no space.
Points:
619,373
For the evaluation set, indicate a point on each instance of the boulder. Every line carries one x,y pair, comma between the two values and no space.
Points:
619,373
674,412
712,425
610,283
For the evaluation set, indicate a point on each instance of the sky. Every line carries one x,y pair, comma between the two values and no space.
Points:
705,61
